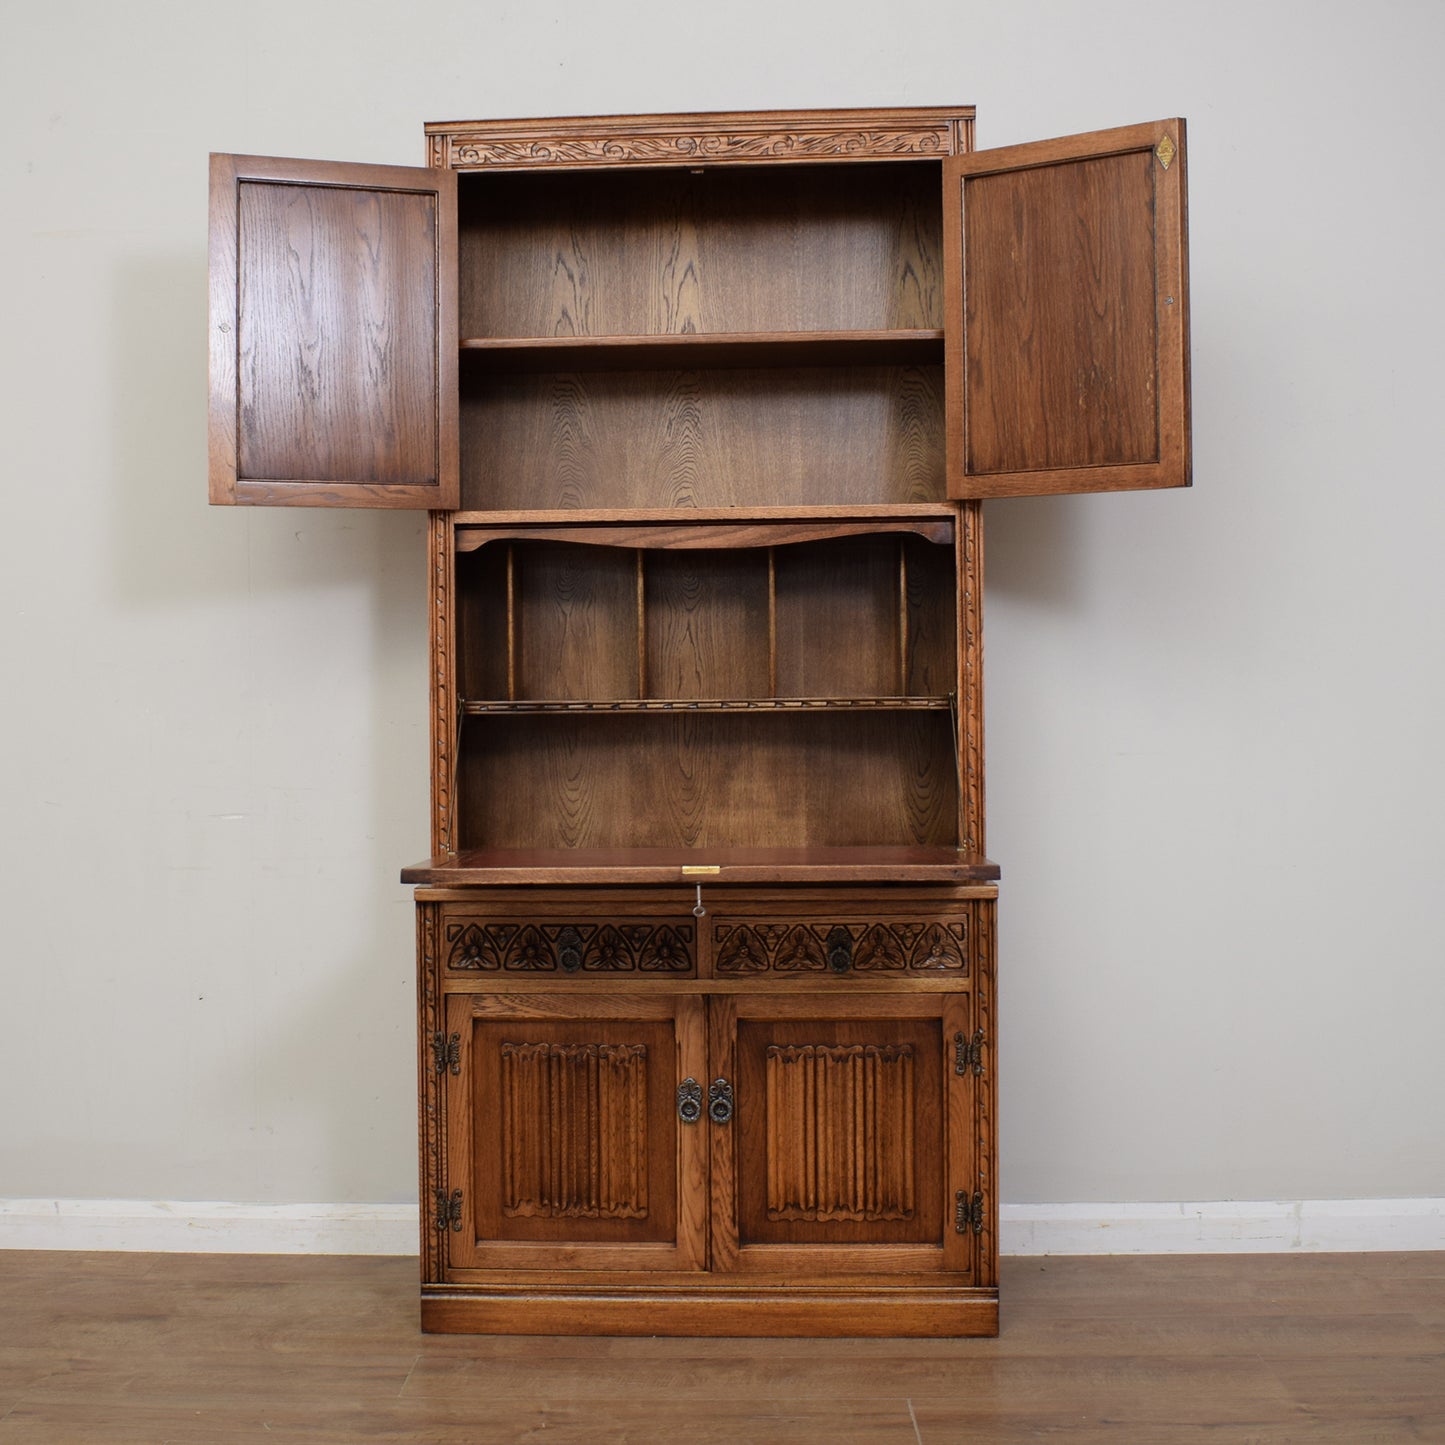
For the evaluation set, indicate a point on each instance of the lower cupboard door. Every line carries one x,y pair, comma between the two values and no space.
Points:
566,1146
850,1139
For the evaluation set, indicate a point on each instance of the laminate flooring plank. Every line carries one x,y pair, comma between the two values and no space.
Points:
993,1430
209,1350
465,1422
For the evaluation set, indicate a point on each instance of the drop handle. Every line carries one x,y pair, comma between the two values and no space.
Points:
720,1101
689,1101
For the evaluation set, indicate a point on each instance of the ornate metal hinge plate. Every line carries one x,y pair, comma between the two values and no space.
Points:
449,1211
968,1212
968,1053
447,1053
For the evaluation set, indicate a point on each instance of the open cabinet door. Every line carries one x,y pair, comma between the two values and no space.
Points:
333,334
1067,342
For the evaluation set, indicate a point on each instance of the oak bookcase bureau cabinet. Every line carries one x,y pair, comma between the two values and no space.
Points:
703,409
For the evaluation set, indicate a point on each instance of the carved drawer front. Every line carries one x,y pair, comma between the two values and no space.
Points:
570,946
787,947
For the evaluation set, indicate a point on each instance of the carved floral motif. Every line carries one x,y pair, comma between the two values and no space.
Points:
619,947
697,145
787,946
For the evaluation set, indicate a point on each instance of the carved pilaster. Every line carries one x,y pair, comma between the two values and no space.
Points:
443,689
986,1089
970,681
432,1088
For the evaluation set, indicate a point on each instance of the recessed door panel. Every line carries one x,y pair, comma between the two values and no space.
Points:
1068,320
333,334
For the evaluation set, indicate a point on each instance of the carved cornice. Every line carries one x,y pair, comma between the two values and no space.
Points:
468,149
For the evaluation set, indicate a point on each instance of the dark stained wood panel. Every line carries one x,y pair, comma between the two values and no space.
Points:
707,624
838,619
576,621
733,438
709,780
669,253
333,340
1068,324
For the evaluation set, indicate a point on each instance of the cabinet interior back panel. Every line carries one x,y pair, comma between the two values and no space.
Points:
665,252
745,437
756,781
706,619
336,383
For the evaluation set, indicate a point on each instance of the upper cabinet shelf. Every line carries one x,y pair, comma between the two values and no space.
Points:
900,347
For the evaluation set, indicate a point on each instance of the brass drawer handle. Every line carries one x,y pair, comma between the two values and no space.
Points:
840,949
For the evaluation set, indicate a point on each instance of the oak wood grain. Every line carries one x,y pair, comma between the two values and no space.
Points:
333,334
1067,333
703,438
764,779
672,253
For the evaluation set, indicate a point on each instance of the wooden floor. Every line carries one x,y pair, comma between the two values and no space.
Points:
227,1348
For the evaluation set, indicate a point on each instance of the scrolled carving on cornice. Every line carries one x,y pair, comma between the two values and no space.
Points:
694,146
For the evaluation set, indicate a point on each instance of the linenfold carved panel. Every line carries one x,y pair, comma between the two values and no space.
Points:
574,1130
840,1132
625,946
789,946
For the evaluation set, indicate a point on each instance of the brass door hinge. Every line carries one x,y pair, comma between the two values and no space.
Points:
968,1212
968,1053
449,1211
447,1053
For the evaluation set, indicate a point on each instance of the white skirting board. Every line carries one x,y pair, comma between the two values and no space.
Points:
1243,1226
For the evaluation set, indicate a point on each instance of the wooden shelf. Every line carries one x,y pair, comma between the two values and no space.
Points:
690,866
729,705
710,349
704,536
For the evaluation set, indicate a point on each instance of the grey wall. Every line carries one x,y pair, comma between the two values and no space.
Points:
1215,782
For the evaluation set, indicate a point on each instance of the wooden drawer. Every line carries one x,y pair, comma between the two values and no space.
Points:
484,943
843,944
